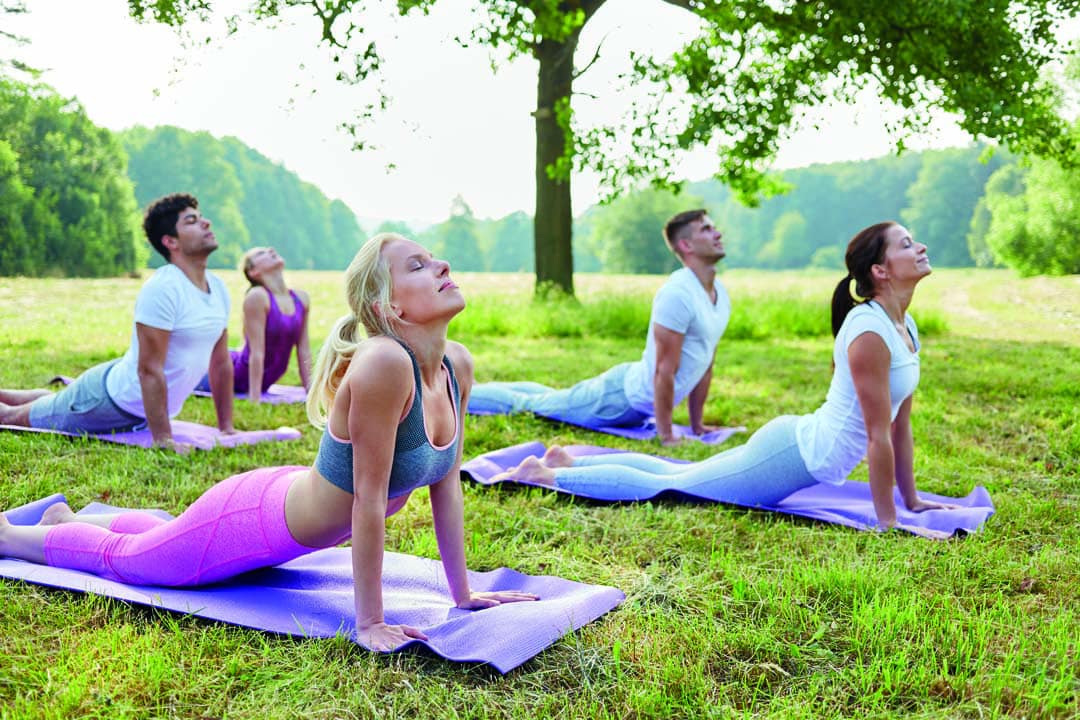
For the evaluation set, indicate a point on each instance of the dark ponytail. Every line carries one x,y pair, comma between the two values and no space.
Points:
864,251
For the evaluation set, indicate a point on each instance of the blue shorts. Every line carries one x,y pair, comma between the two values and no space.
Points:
83,406
600,400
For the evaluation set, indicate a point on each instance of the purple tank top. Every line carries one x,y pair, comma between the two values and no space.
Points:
281,336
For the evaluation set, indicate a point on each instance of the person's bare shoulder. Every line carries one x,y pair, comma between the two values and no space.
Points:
462,360
257,298
305,299
380,367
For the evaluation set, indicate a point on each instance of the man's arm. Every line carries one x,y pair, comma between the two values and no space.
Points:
695,403
153,346
668,354
221,383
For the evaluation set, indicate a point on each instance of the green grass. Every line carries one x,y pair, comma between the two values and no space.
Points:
730,612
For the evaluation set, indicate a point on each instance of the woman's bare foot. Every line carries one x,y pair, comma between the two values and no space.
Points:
531,470
556,456
56,514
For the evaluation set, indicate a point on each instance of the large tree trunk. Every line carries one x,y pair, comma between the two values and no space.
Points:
553,222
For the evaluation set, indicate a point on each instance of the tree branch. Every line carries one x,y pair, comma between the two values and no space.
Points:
595,57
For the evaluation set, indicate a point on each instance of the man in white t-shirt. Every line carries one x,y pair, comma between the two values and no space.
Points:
181,314
689,315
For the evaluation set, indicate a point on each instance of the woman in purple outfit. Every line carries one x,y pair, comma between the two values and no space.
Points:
275,322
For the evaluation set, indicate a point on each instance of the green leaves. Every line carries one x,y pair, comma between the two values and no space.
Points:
66,205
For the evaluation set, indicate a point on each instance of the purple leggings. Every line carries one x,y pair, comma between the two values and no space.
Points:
236,526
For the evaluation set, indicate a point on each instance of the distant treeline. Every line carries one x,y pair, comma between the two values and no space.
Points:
250,199
971,206
71,196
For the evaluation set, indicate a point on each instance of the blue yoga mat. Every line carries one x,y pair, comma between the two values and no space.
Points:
848,504
312,596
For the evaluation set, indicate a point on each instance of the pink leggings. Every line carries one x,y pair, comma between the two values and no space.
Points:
236,526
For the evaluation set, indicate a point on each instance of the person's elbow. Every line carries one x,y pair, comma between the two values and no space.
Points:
665,371
149,372
879,438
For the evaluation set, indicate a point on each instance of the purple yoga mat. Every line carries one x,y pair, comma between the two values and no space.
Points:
274,395
312,596
848,504
202,437
647,430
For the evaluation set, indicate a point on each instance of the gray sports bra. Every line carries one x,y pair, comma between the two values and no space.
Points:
416,461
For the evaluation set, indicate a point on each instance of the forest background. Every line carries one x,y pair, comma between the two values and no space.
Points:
71,193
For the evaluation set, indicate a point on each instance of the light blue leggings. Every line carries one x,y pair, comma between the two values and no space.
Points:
600,400
764,471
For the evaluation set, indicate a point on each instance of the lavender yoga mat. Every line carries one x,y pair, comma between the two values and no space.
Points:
312,596
647,430
848,504
202,437
274,395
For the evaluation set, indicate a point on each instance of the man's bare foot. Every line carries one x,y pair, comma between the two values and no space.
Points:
531,470
556,456
56,514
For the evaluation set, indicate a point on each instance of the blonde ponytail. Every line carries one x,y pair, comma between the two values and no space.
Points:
368,291
333,360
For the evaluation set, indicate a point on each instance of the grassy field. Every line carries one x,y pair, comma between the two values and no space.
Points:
730,612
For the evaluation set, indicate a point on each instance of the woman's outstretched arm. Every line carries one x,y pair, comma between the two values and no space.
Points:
256,309
448,510
904,452
869,359
378,385
303,345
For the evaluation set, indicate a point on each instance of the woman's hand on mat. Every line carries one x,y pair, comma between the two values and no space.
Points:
381,637
481,600
924,532
919,505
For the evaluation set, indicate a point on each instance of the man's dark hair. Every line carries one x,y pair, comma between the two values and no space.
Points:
673,229
161,217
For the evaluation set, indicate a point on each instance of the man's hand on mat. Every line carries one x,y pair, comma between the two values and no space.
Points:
181,448
919,505
382,637
481,600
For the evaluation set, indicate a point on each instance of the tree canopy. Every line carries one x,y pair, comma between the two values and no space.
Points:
66,204
740,86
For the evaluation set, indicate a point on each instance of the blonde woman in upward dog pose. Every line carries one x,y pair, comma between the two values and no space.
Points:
391,408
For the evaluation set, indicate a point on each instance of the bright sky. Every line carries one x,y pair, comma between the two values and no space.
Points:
454,126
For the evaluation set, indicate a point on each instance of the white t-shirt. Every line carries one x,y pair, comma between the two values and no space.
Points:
832,440
681,305
195,321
